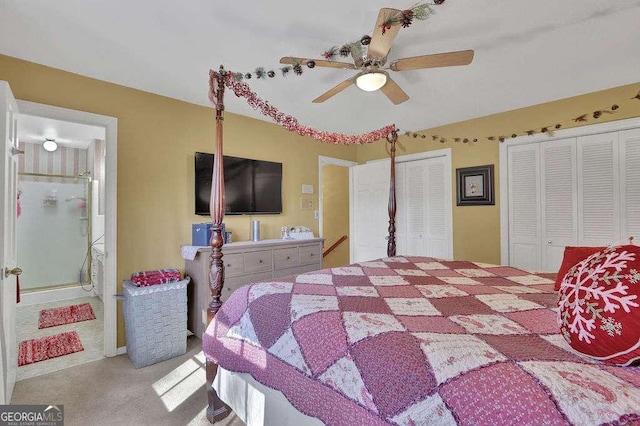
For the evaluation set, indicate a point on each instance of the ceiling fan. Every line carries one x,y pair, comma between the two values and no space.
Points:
371,62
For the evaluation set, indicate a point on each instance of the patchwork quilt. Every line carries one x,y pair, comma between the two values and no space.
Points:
416,340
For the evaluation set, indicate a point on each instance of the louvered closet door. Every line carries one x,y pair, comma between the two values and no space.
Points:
630,184
559,213
416,207
524,206
401,209
436,208
369,213
598,190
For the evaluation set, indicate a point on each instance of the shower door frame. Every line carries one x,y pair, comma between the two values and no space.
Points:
88,200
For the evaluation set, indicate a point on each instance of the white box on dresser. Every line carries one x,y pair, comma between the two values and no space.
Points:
246,262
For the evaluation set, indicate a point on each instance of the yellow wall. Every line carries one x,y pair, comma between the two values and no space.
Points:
157,138
335,213
476,229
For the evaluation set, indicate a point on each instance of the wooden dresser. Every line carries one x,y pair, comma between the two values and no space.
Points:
246,262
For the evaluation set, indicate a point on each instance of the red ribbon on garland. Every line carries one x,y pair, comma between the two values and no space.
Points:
241,89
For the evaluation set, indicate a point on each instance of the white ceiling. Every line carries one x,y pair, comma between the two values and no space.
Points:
32,129
526,52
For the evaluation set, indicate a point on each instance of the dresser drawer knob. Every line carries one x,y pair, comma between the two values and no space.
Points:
260,261
288,257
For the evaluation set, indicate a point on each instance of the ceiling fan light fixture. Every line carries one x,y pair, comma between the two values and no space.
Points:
371,81
50,145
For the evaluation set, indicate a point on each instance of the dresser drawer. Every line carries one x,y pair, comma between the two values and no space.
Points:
229,287
245,262
311,254
257,261
233,264
285,258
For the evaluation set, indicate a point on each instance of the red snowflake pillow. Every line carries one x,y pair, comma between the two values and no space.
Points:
599,305
573,256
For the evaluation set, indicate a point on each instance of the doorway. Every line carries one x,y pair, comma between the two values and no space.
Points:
103,191
333,214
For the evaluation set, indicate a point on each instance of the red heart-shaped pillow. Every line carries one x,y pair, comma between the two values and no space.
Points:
599,305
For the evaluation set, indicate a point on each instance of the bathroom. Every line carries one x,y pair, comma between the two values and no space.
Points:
60,233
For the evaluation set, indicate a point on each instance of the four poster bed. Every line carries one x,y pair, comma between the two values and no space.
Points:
399,340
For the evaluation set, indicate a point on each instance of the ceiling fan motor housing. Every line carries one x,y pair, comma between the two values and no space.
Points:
366,61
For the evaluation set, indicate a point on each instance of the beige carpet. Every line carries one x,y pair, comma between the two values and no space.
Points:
113,392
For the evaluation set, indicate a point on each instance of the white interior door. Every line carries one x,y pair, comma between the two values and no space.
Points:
598,190
438,209
416,208
559,200
630,184
369,223
401,209
423,207
8,272
524,206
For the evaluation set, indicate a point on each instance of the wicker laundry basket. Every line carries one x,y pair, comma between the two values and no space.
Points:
155,321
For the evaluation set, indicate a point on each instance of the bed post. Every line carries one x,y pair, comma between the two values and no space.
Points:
391,241
217,410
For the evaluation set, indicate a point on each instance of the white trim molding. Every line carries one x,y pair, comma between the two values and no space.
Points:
444,152
110,244
327,161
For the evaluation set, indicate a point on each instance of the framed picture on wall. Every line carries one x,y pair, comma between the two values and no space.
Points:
475,186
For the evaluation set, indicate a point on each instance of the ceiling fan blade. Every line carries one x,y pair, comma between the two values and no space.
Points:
394,92
449,59
290,60
381,43
334,91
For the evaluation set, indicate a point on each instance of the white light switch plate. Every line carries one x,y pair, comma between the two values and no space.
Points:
307,189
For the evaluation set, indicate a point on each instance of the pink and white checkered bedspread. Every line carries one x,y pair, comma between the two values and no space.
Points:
415,340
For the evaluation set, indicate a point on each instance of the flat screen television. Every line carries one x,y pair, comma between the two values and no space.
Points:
251,186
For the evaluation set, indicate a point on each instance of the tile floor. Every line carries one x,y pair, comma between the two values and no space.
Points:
90,332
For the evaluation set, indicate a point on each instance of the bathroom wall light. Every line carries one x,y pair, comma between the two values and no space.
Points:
50,145
371,81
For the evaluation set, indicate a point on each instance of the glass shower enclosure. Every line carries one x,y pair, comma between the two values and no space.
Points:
54,230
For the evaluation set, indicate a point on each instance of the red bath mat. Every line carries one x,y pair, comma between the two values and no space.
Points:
44,348
65,315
